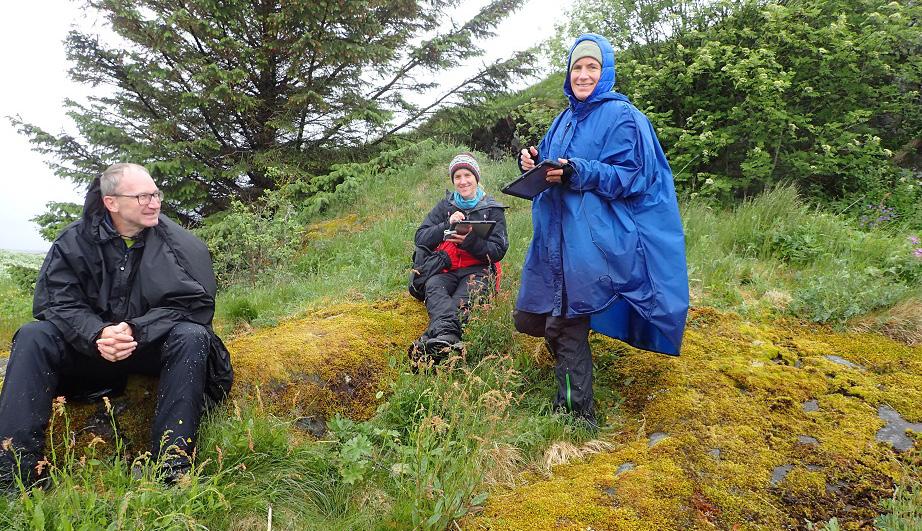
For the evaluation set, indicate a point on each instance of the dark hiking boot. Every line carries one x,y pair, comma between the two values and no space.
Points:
417,355
442,346
589,422
416,350
9,473
15,476
174,469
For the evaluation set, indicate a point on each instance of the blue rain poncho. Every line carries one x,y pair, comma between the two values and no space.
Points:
609,242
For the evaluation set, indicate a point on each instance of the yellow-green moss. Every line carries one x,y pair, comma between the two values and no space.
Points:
738,388
332,360
329,228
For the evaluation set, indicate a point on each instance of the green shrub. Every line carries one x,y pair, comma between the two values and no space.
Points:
839,293
247,240
240,310
23,277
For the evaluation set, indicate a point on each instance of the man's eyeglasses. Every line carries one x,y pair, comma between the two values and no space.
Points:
145,199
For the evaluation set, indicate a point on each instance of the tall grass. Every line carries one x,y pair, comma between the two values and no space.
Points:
362,246
775,254
770,255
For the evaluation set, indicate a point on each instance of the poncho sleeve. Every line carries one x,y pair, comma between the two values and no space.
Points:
620,169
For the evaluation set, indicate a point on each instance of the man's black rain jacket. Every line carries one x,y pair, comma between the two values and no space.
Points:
89,281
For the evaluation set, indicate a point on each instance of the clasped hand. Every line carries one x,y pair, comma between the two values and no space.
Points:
116,342
528,162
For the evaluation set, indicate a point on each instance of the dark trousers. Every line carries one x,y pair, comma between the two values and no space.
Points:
43,365
568,341
448,299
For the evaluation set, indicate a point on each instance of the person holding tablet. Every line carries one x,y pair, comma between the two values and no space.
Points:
608,250
473,259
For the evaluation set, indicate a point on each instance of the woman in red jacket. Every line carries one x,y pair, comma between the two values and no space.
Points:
473,258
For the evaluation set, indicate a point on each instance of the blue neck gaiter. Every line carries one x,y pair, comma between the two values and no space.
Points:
468,203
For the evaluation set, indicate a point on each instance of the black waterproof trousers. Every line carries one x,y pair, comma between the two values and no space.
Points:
43,365
448,300
568,341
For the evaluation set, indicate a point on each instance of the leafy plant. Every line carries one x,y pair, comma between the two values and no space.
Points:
23,277
247,240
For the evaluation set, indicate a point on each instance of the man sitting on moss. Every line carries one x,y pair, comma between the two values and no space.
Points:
122,290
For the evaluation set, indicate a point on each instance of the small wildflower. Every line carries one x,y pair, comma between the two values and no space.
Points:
7,443
40,466
438,424
58,405
105,400
96,440
914,240
917,253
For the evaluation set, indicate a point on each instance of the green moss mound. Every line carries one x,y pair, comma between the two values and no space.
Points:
332,360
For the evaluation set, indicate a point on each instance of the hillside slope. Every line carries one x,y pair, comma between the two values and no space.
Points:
764,422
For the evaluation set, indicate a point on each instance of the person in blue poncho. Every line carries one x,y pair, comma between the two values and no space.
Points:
608,250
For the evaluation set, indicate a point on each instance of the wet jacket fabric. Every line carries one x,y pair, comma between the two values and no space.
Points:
473,250
90,279
609,242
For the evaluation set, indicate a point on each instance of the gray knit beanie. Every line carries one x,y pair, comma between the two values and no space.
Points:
585,48
464,160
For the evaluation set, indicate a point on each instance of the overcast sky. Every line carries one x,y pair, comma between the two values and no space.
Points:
35,84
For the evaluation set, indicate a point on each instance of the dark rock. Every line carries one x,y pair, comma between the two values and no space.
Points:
780,472
894,432
798,364
315,426
610,491
103,423
811,405
655,438
714,452
843,361
626,467
814,468
807,440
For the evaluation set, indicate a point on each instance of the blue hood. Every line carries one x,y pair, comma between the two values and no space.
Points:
606,81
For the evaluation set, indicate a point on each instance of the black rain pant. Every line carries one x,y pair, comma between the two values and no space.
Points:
448,299
43,365
568,341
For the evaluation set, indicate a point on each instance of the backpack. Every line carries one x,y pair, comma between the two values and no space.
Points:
425,264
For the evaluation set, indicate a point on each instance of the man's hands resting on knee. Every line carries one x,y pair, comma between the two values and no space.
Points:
116,342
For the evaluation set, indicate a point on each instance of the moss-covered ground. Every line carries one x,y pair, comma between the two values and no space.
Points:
763,422
752,427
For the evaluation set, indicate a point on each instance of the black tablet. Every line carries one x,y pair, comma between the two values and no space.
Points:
482,228
532,182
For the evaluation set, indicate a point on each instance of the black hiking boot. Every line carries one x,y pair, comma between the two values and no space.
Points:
442,346
174,469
